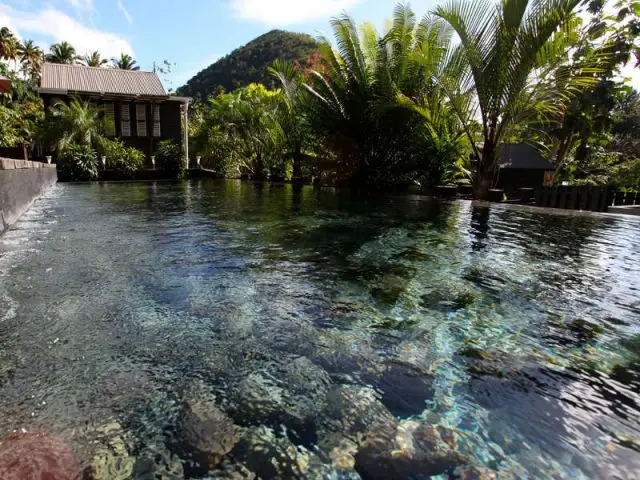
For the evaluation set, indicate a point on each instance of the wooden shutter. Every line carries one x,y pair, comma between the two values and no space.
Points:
110,119
157,132
141,119
125,120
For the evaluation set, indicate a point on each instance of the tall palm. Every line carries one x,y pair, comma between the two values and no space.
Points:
62,52
510,50
252,115
6,36
94,59
296,132
359,104
423,68
76,123
31,56
125,62
341,101
11,51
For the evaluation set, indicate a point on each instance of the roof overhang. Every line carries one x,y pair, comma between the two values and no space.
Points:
114,96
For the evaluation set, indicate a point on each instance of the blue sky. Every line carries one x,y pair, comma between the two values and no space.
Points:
190,33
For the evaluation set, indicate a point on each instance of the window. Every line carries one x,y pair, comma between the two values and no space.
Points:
125,120
110,119
156,121
141,119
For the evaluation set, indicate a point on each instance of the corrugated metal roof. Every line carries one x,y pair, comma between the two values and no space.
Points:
78,78
522,156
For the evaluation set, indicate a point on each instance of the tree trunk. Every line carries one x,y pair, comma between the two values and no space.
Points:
563,150
259,170
485,175
297,164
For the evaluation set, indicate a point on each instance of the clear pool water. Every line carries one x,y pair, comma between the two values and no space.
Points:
337,335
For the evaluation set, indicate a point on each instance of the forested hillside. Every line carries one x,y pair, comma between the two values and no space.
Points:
248,64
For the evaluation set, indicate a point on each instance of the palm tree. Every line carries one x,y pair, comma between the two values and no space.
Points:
62,52
125,62
11,51
76,123
31,56
424,68
510,51
94,60
354,104
296,131
342,100
6,36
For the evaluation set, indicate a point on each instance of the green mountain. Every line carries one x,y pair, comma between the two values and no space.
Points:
249,64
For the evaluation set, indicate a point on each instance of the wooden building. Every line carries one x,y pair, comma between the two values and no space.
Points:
138,108
521,166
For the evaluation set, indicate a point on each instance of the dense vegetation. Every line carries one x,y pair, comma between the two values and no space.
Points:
416,105
250,63
426,102
75,132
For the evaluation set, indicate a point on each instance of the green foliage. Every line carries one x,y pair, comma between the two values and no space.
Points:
237,132
77,163
21,112
380,106
94,59
120,157
501,46
125,62
610,153
76,123
169,159
62,52
249,64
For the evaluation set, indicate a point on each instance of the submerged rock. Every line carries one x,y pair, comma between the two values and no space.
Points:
353,410
405,389
290,392
207,432
112,460
471,472
270,455
494,363
448,301
147,468
36,456
412,450
351,413
233,471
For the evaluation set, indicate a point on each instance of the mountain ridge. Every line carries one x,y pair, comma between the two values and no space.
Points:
249,63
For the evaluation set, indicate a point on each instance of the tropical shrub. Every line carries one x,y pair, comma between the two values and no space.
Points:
76,123
120,157
169,159
21,112
77,162
238,132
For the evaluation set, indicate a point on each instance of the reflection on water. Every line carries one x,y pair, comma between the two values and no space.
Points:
225,330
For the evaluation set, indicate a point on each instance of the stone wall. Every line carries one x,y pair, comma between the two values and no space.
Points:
21,182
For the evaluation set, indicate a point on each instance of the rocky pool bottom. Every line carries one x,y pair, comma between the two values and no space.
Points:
230,330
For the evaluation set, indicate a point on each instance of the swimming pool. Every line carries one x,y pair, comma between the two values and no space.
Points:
224,329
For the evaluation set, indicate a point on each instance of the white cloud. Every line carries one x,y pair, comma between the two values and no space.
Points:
56,26
287,12
81,4
124,11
